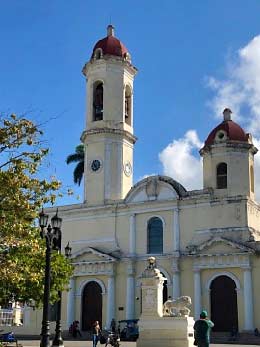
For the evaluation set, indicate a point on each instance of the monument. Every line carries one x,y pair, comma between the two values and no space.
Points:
168,324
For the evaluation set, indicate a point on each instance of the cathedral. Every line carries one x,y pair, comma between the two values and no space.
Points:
206,241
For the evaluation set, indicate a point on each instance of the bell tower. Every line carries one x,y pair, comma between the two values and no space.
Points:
109,137
228,160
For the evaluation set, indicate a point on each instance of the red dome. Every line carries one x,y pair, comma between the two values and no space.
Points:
233,131
110,44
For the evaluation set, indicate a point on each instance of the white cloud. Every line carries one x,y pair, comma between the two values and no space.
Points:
240,91
180,161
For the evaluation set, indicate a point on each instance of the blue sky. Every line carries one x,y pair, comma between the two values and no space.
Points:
193,57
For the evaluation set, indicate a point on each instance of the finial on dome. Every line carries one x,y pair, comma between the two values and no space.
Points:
227,114
110,30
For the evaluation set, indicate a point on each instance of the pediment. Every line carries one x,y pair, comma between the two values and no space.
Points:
220,245
91,255
155,188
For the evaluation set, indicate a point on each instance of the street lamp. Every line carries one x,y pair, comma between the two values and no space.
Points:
52,235
58,341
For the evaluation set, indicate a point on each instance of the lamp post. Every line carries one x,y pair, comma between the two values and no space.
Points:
52,235
58,341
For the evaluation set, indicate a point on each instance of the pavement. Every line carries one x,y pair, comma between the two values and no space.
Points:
36,343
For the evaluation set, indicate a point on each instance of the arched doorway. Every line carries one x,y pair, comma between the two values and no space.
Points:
223,301
91,305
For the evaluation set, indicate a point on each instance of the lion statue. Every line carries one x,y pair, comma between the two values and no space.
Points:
178,307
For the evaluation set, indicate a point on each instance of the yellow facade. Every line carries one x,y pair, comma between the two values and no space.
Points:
202,237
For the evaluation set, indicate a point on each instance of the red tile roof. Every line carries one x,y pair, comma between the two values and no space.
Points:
112,46
233,130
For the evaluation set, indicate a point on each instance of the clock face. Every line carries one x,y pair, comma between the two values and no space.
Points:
95,165
128,168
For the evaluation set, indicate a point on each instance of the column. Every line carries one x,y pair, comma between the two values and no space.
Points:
110,299
248,300
132,234
197,293
176,230
176,288
71,303
130,291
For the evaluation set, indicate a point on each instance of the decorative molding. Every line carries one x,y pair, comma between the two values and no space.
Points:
223,273
92,279
194,250
226,241
221,261
86,133
93,268
90,250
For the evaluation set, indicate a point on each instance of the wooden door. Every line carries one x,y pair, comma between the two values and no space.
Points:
223,299
91,305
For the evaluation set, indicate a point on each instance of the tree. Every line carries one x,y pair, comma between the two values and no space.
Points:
77,157
22,194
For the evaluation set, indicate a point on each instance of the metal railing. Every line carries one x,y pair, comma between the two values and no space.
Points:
6,317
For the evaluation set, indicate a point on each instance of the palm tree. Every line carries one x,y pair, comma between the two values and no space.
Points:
77,157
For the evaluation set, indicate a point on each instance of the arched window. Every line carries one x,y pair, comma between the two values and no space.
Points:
98,101
252,179
98,53
128,105
155,236
222,176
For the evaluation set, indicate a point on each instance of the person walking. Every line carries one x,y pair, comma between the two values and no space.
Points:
202,329
95,333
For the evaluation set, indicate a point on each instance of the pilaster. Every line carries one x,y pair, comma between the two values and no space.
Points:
248,299
197,292
71,303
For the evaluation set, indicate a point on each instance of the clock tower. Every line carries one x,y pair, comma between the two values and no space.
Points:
109,138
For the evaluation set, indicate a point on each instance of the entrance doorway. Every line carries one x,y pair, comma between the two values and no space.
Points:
91,305
223,301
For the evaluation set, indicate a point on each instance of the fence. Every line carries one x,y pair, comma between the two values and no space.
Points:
6,317
13,316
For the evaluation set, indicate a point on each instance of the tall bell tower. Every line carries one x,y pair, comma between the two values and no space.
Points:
109,137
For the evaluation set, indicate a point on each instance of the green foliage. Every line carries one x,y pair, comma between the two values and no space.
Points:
77,157
22,193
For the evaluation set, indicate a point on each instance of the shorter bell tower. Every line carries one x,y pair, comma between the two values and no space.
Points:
228,160
109,137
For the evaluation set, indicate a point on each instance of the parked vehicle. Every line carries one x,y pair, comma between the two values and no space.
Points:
129,330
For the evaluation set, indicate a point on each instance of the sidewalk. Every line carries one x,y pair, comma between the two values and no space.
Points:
36,343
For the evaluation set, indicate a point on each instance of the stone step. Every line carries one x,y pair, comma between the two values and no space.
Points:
242,338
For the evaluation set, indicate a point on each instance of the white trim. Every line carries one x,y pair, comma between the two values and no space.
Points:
223,273
90,250
83,283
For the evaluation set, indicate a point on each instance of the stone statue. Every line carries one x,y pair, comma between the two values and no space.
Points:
178,307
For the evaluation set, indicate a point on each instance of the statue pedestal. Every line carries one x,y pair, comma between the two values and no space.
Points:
165,332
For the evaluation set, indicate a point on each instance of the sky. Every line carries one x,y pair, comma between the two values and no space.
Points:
194,59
